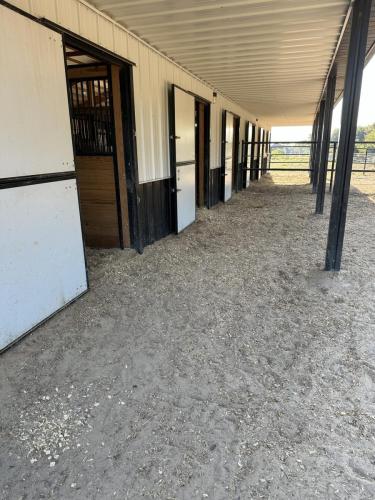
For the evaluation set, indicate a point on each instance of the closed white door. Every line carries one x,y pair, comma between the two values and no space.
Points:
184,110
228,153
42,263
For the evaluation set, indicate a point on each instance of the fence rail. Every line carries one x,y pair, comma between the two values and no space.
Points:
295,156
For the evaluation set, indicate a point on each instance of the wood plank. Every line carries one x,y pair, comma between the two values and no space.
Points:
97,193
87,72
120,155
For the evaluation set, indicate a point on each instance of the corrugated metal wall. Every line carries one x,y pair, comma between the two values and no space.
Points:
152,74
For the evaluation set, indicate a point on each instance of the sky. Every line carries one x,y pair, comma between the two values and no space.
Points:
366,113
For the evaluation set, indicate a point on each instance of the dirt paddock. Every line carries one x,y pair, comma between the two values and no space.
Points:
221,364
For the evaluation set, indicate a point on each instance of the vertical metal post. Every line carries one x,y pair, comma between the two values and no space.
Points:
244,164
319,132
326,138
269,150
270,157
333,164
312,146
364,166
352,90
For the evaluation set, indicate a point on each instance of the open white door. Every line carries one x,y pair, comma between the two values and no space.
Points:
248,147
42,264
184,137
228,156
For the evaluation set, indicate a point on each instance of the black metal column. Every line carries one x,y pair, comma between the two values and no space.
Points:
326,140
319,132
312,149
352,91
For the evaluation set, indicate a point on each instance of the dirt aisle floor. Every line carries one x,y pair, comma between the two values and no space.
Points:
222,364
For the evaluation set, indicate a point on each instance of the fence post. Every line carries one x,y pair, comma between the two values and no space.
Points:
364,166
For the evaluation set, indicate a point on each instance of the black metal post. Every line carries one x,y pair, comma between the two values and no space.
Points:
333,164
326,139
312,148
319,132
352,90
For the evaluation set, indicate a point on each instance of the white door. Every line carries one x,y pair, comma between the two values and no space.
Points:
248,147
42,263
228,156
184,109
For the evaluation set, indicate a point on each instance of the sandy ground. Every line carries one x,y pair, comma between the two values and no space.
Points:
221,364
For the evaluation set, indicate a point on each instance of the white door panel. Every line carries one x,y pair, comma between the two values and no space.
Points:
184,125
186,196
35,133
228,156
184,109
249,146
42,265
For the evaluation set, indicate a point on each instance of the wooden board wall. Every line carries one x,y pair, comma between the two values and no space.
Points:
120,154
97,71
97,192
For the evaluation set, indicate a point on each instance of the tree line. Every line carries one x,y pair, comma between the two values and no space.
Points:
364,134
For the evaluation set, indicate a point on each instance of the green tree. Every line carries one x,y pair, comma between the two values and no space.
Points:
370,136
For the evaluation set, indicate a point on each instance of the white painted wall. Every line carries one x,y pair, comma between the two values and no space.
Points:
42,264
25,82
152,74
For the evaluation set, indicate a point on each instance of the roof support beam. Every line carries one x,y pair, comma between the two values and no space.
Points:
352,91
326,139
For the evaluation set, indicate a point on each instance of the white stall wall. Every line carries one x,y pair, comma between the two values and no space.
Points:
152,74
43,151
42,264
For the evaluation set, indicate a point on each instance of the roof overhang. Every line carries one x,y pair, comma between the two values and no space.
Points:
270,56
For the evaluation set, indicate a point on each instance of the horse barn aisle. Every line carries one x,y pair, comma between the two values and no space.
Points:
223,363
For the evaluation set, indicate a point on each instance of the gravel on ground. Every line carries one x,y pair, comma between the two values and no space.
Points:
223,363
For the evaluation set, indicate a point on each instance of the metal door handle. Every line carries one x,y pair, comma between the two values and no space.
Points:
178,190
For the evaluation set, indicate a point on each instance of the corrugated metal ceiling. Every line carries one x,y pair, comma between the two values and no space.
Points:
341,57
270,56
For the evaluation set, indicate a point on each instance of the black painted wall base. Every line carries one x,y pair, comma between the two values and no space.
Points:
155,217
214,187
239,177
155,211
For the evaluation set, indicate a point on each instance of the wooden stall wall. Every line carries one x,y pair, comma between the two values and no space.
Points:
97,194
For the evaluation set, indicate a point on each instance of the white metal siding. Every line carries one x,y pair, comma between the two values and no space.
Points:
42,265
152,74
42,150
